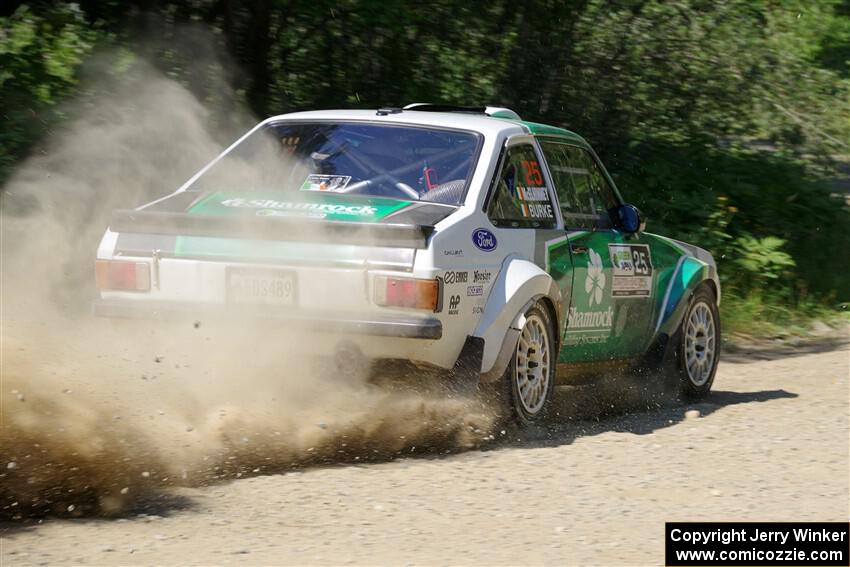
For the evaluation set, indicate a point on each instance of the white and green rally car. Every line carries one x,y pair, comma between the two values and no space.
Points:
462,239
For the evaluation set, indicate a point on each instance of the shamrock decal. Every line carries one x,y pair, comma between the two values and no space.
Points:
595,282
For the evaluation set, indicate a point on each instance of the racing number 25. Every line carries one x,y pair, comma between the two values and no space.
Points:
641,262
533,177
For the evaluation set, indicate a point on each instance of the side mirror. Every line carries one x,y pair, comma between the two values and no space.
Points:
631,221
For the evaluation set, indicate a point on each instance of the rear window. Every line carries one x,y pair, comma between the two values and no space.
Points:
401,162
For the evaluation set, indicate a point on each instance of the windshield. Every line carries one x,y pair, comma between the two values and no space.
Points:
400,162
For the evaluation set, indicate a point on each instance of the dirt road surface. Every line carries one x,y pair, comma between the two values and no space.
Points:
770,443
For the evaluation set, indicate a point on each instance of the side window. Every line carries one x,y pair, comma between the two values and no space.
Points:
587,200
521,198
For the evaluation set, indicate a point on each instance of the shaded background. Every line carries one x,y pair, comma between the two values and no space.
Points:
727,123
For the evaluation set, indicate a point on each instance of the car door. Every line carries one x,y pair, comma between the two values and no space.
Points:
522,200
608,313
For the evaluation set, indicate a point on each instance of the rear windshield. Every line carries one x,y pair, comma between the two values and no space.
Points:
400,162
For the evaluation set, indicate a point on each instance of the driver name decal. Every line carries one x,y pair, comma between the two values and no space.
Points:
533,198
534,202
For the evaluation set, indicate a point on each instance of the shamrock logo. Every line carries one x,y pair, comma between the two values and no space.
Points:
595,282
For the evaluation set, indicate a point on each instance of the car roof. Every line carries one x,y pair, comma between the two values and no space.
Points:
482,123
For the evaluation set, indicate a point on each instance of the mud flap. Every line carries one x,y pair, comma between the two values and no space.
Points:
463,378
658,366
655,358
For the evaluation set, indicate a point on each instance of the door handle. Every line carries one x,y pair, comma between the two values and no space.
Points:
578,248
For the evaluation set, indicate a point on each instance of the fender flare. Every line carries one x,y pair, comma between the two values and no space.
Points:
519,285
689,274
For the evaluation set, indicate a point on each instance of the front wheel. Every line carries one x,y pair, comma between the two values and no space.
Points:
699,345
530,377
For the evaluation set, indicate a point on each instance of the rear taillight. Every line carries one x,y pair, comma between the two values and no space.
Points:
407,292
123,275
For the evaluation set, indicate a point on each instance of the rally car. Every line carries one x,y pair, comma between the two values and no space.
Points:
461,239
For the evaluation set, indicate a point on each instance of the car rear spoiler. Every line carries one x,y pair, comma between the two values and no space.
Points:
271,228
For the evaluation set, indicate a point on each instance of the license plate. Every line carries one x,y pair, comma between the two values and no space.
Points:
260,287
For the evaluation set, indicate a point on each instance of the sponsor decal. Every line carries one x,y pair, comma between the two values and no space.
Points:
330,183
454,304
474,290
477,309
594,283
321,206
458,253
481,276
456,277
631,270
484,240
594,323
266,206
290,213
590,319
586,327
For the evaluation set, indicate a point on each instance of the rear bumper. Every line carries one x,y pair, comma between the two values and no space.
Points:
399,327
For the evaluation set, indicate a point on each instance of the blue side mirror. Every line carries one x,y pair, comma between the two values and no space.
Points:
631,221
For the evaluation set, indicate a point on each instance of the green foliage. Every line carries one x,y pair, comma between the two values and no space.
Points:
832,43
742,204
39,55
762,259
753,314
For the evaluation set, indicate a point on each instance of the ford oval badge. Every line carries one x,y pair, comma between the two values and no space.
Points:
484,240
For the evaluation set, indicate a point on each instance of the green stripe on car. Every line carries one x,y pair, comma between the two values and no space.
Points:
319,206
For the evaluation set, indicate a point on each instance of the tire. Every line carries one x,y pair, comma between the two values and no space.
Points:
530,377
697,345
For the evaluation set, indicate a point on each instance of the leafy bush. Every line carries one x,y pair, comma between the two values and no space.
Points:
761,260
40,52
775,229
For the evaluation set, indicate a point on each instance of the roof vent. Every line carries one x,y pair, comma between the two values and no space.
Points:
499,112
494,111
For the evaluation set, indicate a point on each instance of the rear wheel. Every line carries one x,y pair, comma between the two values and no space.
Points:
698,346
530,377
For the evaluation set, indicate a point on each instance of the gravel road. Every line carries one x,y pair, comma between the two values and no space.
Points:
770,443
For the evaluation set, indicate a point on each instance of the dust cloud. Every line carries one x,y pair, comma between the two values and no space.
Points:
97,415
